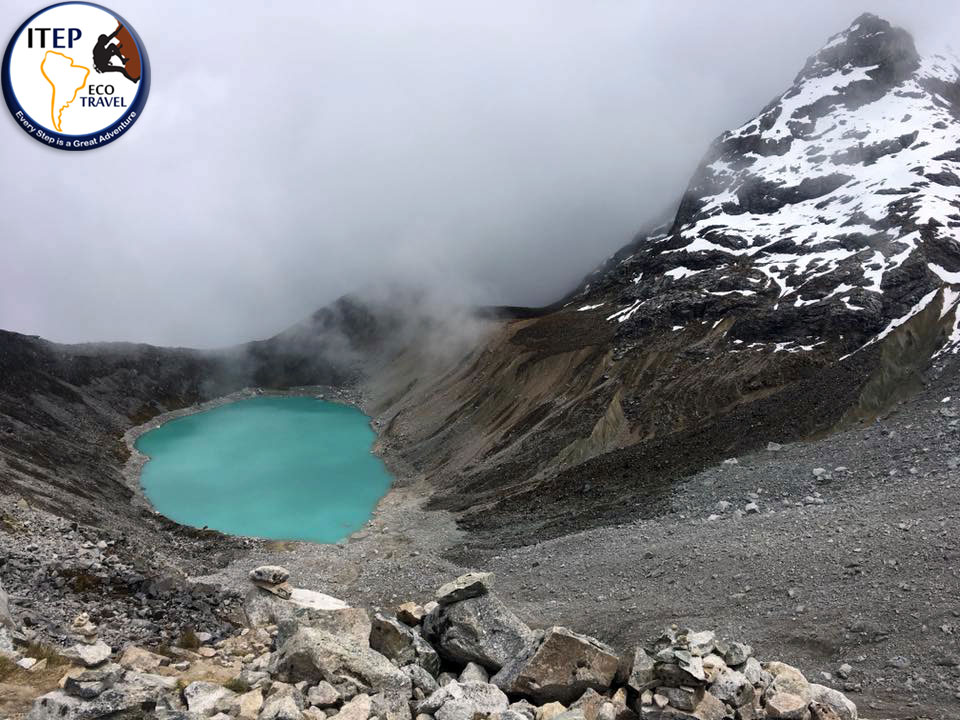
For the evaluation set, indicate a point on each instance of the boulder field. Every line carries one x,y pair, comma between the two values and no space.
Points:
464,655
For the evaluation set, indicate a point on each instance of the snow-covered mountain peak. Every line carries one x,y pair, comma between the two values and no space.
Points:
828,216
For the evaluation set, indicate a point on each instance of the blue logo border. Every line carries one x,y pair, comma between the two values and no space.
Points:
76,142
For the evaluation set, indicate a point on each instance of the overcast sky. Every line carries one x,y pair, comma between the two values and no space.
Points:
494,150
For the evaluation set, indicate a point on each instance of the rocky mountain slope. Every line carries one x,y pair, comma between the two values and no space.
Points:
804,284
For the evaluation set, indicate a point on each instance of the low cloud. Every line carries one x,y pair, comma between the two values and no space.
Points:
492,152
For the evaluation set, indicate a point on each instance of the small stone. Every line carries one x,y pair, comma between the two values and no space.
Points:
550,710
410,614
751,508
845,670
774,447
466,586
270,574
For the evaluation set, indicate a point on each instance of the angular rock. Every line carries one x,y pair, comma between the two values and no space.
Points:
840,704
786,706
402,644
249,704
313,655
349,625
284,703
6,641
357,709
466,586
732,687
205,697
701,643
591,703
682,698
6,617
735,653
136,658
755,673
641,675
90,683
421,679
525,708
58,705
561,666
657,708
550,710
262,607
456,701
479,629
410,614
323,695
787,680
474,673
283,590
270,574
90,655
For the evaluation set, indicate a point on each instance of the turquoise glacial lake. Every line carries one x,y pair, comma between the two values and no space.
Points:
285,468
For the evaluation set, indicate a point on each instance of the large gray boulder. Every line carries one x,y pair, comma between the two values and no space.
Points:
464,701
263,607
479,629
402,644
312,654
351,625
560,666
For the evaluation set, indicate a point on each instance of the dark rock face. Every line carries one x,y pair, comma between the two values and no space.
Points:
478,629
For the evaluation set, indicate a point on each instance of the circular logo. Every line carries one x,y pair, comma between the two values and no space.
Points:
75,76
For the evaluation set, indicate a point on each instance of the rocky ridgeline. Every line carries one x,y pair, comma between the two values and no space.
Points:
463,656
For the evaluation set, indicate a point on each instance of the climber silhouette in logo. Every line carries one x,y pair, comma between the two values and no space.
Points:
105,50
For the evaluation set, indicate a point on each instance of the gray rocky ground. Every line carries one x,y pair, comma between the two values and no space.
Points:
836,567
464,655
